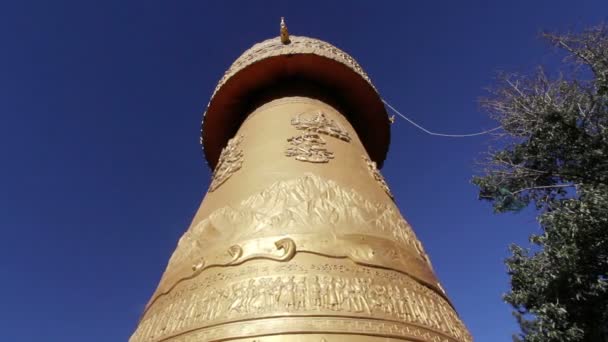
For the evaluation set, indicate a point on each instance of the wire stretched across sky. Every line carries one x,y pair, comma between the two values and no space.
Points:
435,133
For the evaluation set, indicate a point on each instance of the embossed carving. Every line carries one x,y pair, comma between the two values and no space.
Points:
231,160
306,206
309,147
373,170
382,297
317,122
234,256
309,204
286,245
351,327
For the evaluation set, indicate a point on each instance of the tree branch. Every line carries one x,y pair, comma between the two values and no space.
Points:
546,187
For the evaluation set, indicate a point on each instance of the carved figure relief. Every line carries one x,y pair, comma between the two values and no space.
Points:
378,297
230,161
373,170
310,147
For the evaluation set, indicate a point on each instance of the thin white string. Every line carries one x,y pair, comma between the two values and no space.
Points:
439,134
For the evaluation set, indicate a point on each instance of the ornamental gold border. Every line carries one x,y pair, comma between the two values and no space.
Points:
313,288
294,325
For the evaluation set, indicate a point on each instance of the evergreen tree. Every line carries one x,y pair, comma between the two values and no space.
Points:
553,154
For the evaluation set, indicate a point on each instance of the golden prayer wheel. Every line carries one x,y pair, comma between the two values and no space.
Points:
298,237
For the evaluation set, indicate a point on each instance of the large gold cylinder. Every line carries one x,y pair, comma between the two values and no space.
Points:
298,237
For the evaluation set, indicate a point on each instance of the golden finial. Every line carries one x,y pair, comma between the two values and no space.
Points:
284,32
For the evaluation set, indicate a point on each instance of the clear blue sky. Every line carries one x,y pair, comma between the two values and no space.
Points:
100,106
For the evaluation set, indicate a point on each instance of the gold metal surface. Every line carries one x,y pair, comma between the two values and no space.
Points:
273,57
373,170
298,239
284,33
230,162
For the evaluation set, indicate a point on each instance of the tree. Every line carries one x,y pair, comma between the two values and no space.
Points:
553,154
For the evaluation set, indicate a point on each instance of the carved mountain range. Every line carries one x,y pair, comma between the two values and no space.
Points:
309,204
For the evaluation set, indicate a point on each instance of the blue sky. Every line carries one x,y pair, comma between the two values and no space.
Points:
100,106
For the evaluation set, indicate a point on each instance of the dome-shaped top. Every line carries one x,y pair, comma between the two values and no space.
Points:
303,66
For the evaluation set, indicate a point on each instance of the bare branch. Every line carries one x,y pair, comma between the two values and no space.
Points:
546,187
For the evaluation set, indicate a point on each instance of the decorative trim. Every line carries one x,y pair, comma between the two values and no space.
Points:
333,325
305,291
298,45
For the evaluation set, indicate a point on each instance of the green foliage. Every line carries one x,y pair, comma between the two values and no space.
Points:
556,158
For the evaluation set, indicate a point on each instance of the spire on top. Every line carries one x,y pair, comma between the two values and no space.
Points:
284,32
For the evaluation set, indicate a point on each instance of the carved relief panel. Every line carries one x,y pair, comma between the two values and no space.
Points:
310,146
302,288
317,122
322,207
230,161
